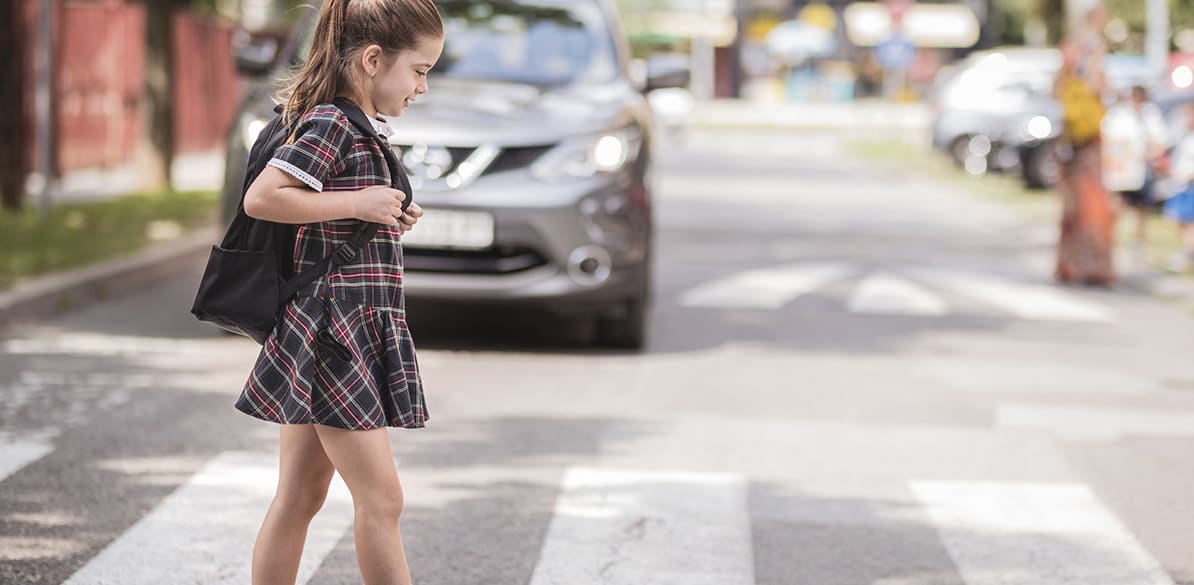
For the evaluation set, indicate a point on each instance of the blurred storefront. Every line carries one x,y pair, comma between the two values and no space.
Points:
839,50
812,50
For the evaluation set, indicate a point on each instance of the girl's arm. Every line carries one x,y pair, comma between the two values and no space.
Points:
279,197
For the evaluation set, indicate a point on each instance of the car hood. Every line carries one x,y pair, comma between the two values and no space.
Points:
467,113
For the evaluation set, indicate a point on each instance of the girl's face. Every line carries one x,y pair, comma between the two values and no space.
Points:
398,81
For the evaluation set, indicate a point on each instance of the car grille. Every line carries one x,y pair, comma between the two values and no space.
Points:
510,158
493,261
516,158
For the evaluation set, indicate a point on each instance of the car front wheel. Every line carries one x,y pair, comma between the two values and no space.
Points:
624,325
1039,167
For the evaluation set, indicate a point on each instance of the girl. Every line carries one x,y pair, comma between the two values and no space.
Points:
340,366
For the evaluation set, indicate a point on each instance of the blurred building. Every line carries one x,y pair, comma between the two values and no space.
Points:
99,81
885,47
814,49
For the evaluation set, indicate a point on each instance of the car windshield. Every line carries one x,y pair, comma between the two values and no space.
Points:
540,42
526,42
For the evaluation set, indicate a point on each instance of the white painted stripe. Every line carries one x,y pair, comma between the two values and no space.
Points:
635,527
1093,424
886,294
16,455
1036,302
1035,534
204,531
767,288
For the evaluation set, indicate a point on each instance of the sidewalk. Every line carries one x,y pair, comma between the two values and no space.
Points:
196,171
866,116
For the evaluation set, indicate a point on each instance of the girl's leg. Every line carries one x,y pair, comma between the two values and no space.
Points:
364,460
304,474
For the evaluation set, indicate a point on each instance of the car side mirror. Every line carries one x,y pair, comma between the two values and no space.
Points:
256,56
667,71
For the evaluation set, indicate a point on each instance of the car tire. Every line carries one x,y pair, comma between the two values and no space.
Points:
625,330
1039,167
959,149
624,326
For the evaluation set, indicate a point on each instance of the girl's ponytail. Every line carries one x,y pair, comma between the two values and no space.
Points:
320,78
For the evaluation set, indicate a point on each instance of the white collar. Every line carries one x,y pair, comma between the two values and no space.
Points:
382,127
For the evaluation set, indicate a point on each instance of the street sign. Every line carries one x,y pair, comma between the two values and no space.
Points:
895,53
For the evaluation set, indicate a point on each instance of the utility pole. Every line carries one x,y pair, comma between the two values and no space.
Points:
1157,40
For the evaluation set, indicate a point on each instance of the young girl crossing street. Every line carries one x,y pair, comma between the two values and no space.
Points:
340,367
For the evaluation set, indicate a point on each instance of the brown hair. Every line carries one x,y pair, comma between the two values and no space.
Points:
345,28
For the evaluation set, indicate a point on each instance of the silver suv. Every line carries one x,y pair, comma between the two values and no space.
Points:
531,155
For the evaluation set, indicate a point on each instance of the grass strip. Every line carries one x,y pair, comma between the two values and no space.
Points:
78,234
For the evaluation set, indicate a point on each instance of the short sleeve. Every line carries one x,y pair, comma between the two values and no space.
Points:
322,141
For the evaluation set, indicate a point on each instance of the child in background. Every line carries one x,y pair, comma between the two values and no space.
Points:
1134,139
1180,207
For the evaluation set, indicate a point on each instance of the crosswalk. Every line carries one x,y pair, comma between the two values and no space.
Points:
622,526
902,291
203,531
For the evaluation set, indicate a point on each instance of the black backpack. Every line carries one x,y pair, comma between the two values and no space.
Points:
250,275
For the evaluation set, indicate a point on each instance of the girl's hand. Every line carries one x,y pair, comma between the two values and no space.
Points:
378,204
410,218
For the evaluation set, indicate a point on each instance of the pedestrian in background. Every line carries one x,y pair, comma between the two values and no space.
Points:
1180,207
340,366
1085,244
1134,141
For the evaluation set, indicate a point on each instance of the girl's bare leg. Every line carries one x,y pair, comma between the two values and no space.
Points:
364,460
304,474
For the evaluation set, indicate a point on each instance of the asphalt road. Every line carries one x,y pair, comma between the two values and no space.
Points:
855,377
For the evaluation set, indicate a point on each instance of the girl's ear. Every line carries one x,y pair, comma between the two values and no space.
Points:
371,59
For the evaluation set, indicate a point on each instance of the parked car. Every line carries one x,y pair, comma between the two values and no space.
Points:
984,103
531,156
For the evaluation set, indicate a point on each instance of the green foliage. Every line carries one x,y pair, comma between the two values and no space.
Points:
1133,12
81,233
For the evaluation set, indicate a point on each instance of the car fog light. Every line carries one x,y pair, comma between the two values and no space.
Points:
589,265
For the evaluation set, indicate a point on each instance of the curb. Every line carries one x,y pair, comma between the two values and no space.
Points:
55,294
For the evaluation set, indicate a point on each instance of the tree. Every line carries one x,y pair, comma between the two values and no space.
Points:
158,133
14,158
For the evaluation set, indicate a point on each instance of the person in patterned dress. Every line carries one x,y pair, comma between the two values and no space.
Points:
340,366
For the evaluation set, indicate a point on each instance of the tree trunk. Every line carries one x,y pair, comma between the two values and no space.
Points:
158,135
14,156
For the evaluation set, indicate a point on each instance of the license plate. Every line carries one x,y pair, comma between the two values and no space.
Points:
441,228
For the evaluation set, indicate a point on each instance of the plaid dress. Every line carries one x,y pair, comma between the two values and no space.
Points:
342,354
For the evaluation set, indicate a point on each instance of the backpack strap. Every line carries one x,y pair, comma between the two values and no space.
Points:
348,251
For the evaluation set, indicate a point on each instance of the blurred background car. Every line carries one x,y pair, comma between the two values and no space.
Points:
531,155
984,102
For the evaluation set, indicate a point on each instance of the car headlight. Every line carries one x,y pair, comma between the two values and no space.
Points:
586,156
1039,127
253,127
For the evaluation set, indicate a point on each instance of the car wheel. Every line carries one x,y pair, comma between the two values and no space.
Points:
624,326
1040,170
627,329
959,150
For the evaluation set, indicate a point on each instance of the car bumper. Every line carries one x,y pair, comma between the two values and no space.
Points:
543,233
